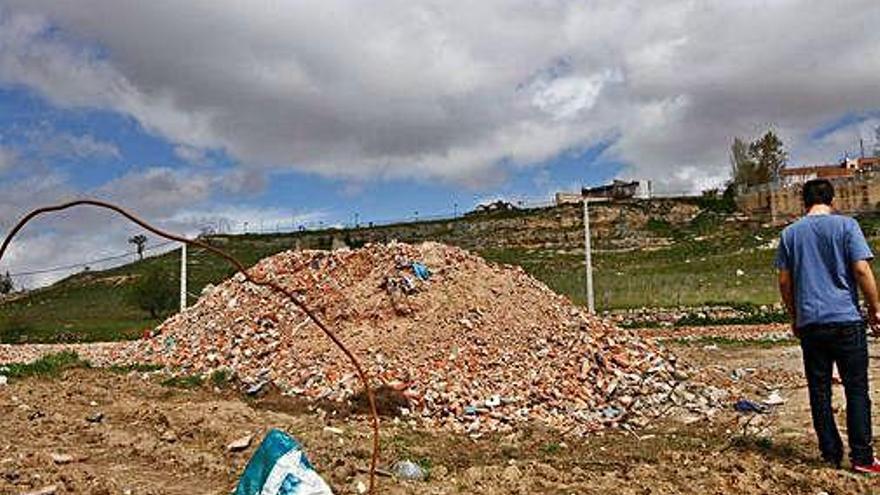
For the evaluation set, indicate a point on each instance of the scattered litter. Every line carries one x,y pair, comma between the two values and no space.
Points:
740,373
280,467
240,444
3,380
421,271
409,471
61,458
95,418
611,412
774,399
46,490
744,405
333,430
256,388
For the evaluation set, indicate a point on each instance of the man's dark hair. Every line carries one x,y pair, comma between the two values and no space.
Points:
818,191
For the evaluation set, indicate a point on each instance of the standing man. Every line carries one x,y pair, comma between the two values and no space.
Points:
822,262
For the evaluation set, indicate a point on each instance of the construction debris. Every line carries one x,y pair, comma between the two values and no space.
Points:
475,348
240,444
409,471
61,458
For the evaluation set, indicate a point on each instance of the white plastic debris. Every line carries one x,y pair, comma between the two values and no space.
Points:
774,399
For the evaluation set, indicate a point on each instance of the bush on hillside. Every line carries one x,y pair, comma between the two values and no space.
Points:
155,292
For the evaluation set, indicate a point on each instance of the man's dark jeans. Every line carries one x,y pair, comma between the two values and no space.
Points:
845,345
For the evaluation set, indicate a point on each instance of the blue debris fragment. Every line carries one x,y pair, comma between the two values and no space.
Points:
421,271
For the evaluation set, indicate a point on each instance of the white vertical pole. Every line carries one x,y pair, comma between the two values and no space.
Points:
772,203
588,266
183,277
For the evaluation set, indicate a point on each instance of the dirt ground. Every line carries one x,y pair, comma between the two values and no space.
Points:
156,439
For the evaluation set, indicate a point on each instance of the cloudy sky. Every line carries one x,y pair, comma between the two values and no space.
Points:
284,113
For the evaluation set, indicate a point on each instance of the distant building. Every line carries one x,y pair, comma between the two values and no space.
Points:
564,198
856,188
617,190
851,167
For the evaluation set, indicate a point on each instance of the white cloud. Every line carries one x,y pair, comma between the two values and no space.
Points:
86,146
449,89
566,97
158,191
47,143
191,154
180,201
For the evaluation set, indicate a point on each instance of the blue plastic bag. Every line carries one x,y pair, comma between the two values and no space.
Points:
421,271
280,467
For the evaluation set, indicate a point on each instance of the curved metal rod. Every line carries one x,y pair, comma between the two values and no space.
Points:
238,266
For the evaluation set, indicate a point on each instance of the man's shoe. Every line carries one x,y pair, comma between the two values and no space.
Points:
873,468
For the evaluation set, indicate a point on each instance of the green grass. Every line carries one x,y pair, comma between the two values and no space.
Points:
667,277
95,307
188,382
49,365
137,367
699,268
220,378
551,448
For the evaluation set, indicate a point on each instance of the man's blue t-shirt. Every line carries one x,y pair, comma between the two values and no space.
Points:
819,251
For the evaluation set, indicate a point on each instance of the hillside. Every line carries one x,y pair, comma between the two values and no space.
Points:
661,254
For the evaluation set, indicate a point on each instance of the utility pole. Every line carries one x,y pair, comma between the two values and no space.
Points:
773,186
591,307
772,204
183,277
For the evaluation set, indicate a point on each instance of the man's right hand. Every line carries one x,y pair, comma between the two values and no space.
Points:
874,322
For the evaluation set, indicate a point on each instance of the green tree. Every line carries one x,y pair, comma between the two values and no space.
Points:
140,241
6,284
743,167
155,292
759,162
769,157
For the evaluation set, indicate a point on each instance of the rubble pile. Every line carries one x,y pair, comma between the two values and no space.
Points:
474,346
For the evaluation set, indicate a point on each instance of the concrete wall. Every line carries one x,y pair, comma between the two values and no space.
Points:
851,195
